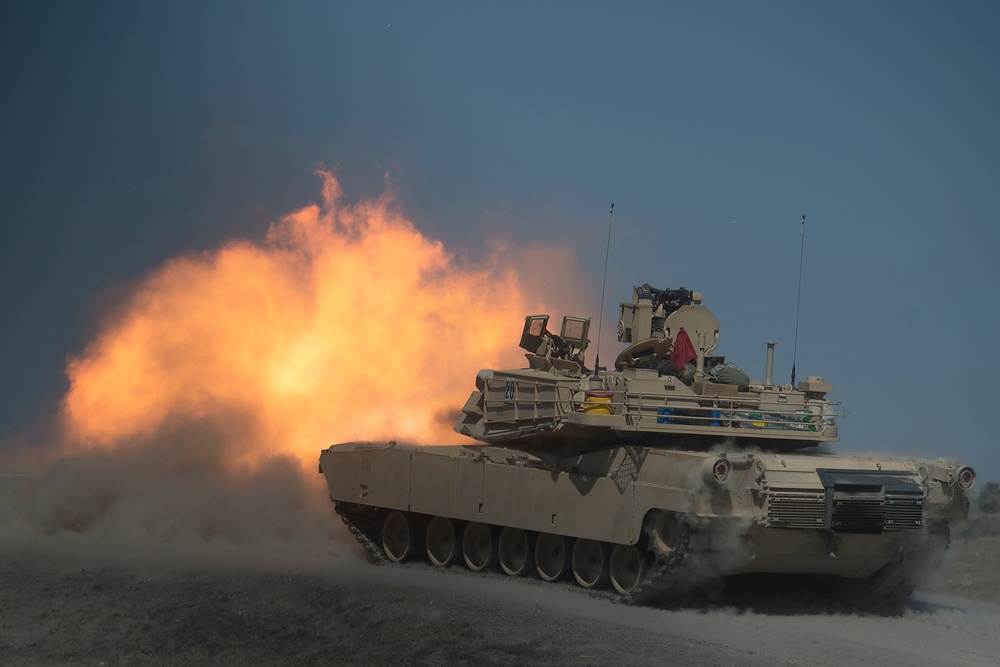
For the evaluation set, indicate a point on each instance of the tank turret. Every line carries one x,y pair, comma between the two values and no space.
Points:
668,388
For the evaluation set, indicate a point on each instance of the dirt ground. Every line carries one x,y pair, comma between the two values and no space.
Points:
197,609
58,613
80,600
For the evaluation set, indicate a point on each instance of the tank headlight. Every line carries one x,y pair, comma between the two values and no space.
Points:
966,477
721,470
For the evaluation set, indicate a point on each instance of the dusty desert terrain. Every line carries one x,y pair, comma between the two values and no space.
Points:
177,574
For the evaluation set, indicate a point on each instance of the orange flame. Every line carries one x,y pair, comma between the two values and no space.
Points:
345,323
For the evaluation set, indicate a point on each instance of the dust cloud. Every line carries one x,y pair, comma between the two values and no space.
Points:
194,419
176,498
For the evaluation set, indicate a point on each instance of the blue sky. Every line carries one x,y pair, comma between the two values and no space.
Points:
136,131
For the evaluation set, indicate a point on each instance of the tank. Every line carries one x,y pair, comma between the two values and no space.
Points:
669,468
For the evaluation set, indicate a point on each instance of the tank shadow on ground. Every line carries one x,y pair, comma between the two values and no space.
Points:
781,595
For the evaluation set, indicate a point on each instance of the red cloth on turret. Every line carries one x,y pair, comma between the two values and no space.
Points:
683,351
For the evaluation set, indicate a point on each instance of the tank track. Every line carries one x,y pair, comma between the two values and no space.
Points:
896,580
893,583
657,583
372,550
650,588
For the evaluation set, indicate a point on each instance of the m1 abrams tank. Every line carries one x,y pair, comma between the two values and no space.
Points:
669,468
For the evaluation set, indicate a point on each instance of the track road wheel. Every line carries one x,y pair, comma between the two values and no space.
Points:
551,556
398,539
590,563
626,568
479,548
442,547
665,533
514,551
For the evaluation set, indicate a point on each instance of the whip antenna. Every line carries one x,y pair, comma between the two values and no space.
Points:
798,298
604,285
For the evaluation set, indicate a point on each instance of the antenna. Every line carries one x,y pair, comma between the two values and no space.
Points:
604,285
798,298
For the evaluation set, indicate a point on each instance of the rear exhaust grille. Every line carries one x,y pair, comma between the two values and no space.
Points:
852,501
795,510
854,514
904,512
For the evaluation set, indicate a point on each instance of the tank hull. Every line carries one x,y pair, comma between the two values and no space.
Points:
660,512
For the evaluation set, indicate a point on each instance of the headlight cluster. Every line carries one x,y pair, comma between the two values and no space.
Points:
966,477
